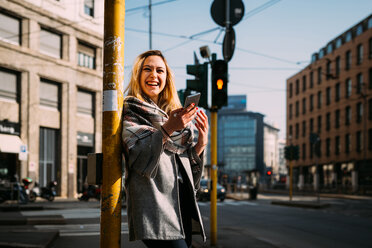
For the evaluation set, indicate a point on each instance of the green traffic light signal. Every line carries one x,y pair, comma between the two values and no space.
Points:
199,84
219,83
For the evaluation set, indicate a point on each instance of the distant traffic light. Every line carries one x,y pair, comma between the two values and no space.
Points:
269,173
292,152
199,84
219,83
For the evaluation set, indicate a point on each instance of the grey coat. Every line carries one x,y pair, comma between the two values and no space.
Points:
152,190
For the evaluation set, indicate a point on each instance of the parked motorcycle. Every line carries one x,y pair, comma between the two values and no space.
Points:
91,191
13,191
48,192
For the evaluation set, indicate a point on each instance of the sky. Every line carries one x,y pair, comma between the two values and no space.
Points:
274,40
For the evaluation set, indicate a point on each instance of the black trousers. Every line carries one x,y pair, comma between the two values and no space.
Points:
188,211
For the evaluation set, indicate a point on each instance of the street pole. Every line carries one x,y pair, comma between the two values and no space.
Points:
113,76
290,179
213,216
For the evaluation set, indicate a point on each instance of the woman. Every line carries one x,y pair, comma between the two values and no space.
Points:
163,163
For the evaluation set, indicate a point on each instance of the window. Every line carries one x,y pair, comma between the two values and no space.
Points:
359,141
338,42
9,85
303,151
337,92
359,112
337,145
328,147
297,87
370,22
304,129
348,88
297,108
290,89
328,121
311,125
319,75
328,95
370,109
86,56
337,118
347,143
290,131
50,43
10,29
370,78
321,53
359,54
304,83
311,80
319,99
370,139
318,148
89,7
85,103
304,106
359,29
338,66
348,60
48,155
329,48
49,94
347,115
290,111
329,70
297,130
319,124
359,83
348,36
311,107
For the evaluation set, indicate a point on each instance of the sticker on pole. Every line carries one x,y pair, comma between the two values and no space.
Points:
110,100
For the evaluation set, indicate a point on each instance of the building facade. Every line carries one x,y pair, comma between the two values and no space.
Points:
329,114
271,153
51,89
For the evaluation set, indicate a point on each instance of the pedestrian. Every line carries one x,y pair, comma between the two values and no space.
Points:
164,162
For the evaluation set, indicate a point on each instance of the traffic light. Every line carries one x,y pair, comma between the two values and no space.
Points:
219,83
292,152
269,173
199,84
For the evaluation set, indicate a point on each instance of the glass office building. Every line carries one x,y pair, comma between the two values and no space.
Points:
239,139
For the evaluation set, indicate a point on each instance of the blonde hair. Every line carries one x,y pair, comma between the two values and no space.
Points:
168,99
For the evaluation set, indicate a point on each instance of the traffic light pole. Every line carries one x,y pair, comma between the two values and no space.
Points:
213,216
113,77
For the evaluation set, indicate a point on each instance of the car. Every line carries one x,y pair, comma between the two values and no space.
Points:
203,193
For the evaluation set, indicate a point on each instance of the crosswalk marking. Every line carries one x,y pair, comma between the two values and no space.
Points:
70,230
231,203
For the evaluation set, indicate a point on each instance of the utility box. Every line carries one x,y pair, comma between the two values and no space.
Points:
94,176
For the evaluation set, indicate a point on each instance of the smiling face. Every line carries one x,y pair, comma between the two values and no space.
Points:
153,77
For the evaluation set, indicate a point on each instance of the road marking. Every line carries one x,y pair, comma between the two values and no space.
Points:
231,203
70,230
80,213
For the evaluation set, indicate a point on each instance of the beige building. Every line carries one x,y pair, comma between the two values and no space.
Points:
50,89
329,114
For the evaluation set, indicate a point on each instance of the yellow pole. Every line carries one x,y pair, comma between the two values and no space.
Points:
290,180
213,216
113,76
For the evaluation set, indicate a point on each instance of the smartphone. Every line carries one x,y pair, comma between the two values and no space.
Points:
192,99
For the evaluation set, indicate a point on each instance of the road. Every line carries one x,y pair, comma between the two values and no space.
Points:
346,223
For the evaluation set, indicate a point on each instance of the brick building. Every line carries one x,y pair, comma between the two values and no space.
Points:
329,114
50,90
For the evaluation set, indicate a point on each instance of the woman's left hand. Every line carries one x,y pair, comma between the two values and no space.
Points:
203,127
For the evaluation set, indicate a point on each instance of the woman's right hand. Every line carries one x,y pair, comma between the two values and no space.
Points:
179,118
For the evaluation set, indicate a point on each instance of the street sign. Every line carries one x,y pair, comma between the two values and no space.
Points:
218,10
228,46
22,155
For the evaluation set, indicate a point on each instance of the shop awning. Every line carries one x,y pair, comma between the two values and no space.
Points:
10,143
